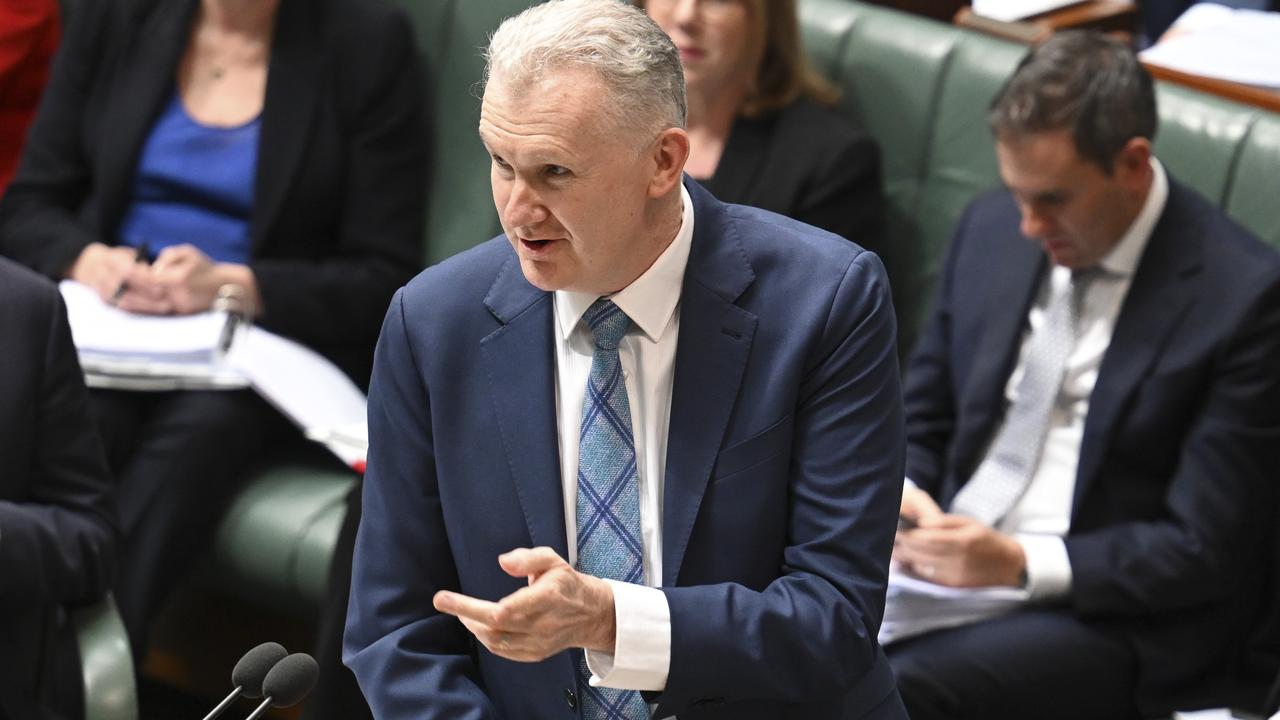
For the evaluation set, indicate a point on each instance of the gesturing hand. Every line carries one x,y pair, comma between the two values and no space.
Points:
560,609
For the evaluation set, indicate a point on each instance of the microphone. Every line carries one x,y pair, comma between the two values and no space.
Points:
249,674
288,682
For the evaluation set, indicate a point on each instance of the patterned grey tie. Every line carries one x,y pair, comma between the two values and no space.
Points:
1012,459
608,506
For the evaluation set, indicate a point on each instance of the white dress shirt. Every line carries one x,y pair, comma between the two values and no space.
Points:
1041,517
642,653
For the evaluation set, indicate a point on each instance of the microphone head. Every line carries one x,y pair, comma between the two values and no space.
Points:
252,670
291,679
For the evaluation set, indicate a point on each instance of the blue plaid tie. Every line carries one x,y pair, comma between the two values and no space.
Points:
608,508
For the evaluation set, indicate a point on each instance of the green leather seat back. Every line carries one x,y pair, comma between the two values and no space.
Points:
921,89
1198,138
1253,198
453,33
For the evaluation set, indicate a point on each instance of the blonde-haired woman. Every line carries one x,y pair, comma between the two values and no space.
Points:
760,120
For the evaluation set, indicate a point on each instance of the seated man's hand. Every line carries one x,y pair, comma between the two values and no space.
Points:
959,551
918,505
560,609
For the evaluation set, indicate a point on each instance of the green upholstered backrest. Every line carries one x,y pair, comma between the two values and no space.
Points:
452,34
921,89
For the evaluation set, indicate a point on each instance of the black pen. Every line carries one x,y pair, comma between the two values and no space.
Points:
140,255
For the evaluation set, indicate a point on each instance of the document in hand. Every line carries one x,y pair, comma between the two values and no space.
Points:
127,351
915,606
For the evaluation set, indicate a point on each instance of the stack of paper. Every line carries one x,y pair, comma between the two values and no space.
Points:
1220,42
127,351
1011,10
915,606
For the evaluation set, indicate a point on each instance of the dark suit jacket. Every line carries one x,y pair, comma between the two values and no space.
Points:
337,221
57,517
807,162
780,495
1178,462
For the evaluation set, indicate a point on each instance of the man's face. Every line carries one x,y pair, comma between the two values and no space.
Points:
574,198
1069,205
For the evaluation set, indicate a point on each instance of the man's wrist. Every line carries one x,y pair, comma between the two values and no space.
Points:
605,624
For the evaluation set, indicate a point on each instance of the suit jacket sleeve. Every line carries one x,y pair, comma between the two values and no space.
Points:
406,656
1220,498
57,543
811,633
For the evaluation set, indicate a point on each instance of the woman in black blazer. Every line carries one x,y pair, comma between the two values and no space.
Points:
330,92
760,120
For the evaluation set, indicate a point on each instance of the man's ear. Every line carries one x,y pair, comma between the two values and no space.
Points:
670,152
1133,162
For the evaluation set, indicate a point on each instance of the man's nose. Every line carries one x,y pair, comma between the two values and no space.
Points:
523,207
1035,224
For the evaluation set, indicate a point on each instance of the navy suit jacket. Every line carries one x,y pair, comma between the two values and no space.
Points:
781,494
1177,468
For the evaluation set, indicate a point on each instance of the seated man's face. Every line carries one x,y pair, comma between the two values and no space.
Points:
1076,212
573,194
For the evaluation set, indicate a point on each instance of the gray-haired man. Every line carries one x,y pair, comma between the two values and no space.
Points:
644,424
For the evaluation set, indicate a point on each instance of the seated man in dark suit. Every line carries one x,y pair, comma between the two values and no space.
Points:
57,515
1097,405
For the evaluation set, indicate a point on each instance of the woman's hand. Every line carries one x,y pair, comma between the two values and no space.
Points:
104,268
190,280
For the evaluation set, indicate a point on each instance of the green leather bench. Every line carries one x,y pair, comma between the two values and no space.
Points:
919,86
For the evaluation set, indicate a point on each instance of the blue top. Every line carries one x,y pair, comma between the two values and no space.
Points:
194,185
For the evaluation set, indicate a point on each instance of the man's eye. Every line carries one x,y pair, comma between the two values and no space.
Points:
557,170
500,162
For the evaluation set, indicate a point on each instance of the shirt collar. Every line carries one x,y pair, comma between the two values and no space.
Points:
651,299
1123,258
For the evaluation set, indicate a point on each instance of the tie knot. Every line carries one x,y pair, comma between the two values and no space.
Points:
607,323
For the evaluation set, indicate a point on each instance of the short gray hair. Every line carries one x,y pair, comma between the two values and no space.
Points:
617,42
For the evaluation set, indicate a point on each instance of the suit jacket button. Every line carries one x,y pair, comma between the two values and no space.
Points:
570,699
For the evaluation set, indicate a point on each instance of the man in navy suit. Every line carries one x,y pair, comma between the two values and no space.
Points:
644,424
1096,403
57,503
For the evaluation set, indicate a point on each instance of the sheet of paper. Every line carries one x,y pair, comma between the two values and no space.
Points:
100,328
1011,10
307,388
1222,43
916,606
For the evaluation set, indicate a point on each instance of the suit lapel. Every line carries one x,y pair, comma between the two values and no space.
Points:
711,356
1015,276
519,358
148,79
293,86
1154,306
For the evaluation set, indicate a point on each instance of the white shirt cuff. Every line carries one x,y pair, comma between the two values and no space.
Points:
908,484
1048,566
642,646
